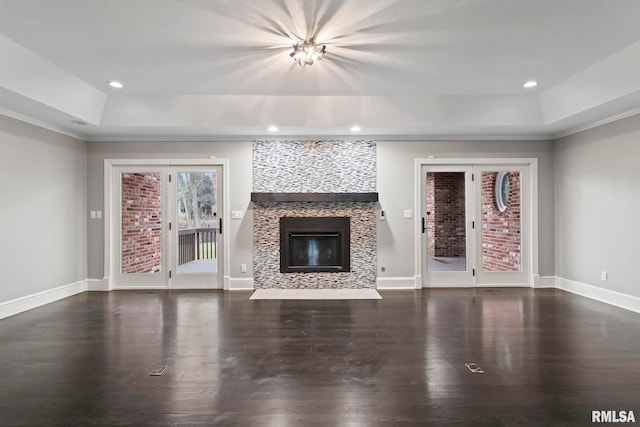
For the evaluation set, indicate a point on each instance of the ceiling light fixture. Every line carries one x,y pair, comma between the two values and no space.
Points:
530,84
116,84
272,128
356,128
307,51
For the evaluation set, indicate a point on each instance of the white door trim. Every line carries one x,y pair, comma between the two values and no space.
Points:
109,226
532,163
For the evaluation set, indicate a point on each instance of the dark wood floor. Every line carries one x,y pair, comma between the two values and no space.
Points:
549,359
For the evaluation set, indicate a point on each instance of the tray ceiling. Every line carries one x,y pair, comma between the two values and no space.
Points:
219,69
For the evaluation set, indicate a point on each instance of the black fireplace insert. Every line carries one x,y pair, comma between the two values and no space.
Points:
314,244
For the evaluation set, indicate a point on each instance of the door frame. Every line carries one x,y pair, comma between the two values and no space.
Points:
110,227
531,163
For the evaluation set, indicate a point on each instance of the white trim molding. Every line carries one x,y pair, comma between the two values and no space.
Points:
544,281
628,302
239,284
28,302
398,283
98,285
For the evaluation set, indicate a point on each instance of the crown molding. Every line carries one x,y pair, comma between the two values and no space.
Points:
206,138
41,124
544,136
598,123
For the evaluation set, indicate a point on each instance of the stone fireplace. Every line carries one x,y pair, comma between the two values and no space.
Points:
314,214
311,183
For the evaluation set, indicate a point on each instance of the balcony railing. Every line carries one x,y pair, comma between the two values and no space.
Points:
196,243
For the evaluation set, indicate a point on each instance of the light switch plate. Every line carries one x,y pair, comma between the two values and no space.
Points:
408,214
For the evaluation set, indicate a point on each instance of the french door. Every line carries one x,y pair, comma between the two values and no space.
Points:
168,227
475,225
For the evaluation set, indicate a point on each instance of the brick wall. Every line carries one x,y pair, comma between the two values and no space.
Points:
501,238
446,221
141,222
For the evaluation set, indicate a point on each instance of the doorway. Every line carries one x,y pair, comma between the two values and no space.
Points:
166,227
475,225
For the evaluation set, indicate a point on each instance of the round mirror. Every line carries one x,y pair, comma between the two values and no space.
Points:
502,191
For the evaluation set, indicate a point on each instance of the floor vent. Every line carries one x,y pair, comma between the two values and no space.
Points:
473,367
158,371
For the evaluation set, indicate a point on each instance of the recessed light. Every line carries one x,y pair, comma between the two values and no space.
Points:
530,84
116,84
272,128
356,128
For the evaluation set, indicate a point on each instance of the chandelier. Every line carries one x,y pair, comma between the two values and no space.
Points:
307,51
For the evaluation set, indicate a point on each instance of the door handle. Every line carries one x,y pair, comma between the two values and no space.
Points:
220,227
424,227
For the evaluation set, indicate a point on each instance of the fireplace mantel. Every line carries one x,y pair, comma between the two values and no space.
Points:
314,197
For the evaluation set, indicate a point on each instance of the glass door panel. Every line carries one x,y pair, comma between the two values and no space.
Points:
447,226
504,227
141,242
501,221
196,236
141,223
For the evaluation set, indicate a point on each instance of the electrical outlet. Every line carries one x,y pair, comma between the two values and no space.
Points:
243,268
236,215
603,276
383,215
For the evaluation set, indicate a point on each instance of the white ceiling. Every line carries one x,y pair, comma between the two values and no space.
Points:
220,69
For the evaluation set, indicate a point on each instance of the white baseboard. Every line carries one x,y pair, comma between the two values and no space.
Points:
107,283
97,285
544,281
28,302
240,284
19,305
618,299
397,283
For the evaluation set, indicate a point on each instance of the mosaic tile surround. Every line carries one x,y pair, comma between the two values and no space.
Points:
314,166
266,244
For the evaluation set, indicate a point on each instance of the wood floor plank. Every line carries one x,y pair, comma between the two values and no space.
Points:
549,358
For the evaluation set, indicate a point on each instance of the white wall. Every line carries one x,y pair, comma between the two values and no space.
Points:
396,187
43,211
597,181
588,182
395,184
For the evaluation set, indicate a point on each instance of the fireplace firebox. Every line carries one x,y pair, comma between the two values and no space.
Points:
314,244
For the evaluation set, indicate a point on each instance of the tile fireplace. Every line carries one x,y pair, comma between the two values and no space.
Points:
314,214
